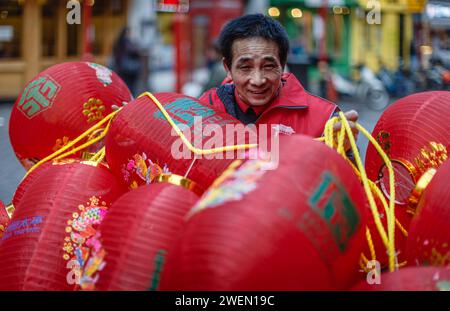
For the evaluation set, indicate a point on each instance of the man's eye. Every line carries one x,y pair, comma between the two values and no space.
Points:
270,66
244,67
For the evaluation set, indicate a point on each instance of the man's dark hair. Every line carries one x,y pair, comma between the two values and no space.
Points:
250,26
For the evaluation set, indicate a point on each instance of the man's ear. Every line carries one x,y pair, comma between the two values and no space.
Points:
227,69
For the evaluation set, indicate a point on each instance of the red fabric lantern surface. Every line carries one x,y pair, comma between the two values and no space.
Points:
28,181
429,233
59,104
413,132
137,234
299,227
47,241
4,218
409,279
139,143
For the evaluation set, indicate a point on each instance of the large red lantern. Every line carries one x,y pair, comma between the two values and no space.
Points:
298,227
47,241
136,235
414,134
429,233
59,104
408,279
141,143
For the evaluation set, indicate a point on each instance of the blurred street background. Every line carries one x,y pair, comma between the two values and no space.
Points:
361,54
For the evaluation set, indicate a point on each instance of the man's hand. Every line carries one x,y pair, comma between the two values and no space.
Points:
352,117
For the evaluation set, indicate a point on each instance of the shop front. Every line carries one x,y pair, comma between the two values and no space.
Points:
317,29
36,34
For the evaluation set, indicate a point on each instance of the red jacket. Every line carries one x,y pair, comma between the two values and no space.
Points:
294,108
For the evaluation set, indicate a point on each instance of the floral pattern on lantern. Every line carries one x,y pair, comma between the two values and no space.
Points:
104,75
142,167
236,183
81,245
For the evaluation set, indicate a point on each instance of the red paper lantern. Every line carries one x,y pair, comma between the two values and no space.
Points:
60,104
409,279
414,134
136,235
429,233
299,227
139,143
48,238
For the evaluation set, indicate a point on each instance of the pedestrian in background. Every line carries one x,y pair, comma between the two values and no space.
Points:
217,72
127,60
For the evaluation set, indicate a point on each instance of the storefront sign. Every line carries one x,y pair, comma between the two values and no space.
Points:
175,6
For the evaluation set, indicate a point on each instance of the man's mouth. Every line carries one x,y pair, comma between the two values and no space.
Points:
258,92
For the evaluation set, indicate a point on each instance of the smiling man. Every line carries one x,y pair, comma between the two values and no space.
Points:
254,49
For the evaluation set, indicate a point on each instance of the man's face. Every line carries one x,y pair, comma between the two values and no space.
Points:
256,70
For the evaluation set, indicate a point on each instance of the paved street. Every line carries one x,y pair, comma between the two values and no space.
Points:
11,171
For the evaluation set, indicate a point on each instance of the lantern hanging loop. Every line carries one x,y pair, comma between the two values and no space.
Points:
185,140
59,154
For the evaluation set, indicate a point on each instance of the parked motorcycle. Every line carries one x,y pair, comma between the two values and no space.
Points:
387,77
438,76
400,83
369,89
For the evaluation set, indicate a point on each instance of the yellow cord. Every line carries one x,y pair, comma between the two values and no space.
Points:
391,214
369,187
87,144
402,264
402,229
382,199
99,156
364,179
363,262
59,154
370,242
341,140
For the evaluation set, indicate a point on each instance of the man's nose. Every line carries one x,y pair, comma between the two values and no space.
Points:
257,78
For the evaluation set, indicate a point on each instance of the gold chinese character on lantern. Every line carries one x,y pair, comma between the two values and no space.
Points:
431,156
60,142
93,109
